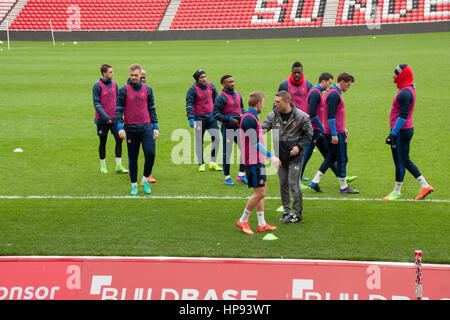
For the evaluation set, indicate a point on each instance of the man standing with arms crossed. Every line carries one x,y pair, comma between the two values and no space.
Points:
199,108
253,153
104,95
402,130
294,133
135,102
336,133
228,109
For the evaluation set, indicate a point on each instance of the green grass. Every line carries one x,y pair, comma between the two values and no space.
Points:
47,111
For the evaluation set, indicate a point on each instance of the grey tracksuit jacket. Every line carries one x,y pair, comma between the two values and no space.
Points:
296,131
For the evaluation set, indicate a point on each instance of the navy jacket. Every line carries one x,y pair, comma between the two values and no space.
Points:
96,96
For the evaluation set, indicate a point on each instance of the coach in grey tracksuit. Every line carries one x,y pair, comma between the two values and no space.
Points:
294,133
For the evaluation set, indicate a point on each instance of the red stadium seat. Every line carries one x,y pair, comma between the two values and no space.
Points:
94,14
213,14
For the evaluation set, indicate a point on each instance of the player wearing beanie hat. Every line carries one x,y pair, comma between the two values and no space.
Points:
199,108
402,130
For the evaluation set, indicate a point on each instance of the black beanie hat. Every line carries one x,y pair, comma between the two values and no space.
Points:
400,68
198,73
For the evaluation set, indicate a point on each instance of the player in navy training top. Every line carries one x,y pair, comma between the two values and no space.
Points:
317,109
199,109
228,109
336,132
253,153
138,123
104,94
402,130
144,80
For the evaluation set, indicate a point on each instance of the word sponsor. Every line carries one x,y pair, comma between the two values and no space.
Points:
165,278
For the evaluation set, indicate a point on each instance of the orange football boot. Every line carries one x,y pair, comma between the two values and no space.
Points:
244,227
424,192
267,227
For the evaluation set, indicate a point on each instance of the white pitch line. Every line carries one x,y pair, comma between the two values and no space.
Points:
207,198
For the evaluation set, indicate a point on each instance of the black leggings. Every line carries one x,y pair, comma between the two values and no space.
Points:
102,146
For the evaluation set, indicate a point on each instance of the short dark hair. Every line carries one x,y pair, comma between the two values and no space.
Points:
346,77
104,68
254,98
297,64
325,76
283,94
225,77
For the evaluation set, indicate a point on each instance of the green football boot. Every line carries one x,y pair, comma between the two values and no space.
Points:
134,190
146,187
121,169
392,196
103,168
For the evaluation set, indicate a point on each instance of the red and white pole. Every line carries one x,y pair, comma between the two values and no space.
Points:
419,279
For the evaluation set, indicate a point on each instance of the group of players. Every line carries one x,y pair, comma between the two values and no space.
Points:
305,116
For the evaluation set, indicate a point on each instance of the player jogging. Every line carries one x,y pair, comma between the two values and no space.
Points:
104,95
138,123
253,152
402,130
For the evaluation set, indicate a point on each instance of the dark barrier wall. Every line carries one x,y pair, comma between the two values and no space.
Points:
403,28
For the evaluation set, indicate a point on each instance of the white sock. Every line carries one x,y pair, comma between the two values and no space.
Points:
245,216
398,187
423,182
144,178
226,177
241,174
118,160
102,161
343,183
134,184
317,177
261,220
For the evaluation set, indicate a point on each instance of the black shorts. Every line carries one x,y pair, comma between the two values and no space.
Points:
104,128
256,175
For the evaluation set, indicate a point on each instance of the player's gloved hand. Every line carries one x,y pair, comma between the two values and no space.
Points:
191,123
391,140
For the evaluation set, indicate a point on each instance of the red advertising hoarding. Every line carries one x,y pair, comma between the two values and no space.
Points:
165,278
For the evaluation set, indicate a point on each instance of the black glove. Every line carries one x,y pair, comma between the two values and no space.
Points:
391,140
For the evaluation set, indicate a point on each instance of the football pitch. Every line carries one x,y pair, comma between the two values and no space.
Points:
55,201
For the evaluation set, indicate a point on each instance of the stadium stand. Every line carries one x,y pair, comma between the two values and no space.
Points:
134,15
231,14
5,8
91,15
357,12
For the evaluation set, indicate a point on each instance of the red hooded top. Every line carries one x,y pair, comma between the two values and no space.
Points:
404,78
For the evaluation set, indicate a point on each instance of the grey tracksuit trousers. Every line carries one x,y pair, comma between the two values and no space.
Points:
289,175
